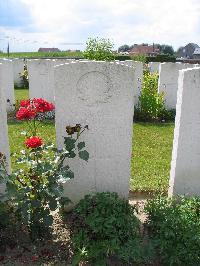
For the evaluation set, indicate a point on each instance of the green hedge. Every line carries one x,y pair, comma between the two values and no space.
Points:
161,58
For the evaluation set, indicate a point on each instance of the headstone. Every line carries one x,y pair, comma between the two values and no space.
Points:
41,77
137,84
18,68
7,83
100,95
4,144
185,165
154,67
168,82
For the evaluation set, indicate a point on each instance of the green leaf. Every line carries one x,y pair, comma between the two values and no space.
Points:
81,145
84,155
36,203
69,143
53,204
48,220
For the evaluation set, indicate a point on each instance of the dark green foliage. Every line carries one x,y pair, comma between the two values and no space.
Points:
161,58
105,225
175,229
122,57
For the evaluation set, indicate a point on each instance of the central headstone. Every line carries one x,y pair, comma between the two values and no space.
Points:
100,95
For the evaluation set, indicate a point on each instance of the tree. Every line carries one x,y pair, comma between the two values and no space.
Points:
123,48
99,49
167,49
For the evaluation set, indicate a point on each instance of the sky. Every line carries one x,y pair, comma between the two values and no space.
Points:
67,24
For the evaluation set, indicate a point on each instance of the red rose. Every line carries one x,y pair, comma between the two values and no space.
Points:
42,106
33,142
25,113
25,103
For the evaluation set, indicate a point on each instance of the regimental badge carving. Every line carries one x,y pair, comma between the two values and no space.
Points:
94,88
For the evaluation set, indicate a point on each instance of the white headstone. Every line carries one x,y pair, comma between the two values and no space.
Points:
4,144
100,95
168,82
41,78
137,84
7,82
154,67
18,68
185,165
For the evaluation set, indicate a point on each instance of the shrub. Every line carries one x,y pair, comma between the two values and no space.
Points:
99,49
103,225
35,189
151,103
161,58
175,229
24,77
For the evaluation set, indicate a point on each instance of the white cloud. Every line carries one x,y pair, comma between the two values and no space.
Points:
174,22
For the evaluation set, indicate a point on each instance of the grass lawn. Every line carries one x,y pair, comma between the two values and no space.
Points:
21,94
151,158
152,147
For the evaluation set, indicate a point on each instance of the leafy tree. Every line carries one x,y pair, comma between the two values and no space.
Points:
123,48
167,49
99,49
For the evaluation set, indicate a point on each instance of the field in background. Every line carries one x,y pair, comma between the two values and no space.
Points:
39,55
151,151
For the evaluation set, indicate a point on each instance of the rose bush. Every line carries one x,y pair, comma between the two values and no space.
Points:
35,189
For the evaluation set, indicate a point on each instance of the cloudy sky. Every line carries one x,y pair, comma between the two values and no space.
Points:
30,24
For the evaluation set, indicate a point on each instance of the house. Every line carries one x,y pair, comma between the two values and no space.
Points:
187,51
48,50
196,54
144,49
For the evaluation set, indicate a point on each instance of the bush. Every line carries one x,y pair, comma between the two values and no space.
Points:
175,229
122,57
105,225
35,188
161,58
24,77
151,105
99,49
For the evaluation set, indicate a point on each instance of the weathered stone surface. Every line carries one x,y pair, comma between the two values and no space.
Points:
100,95
137,84
7,82
154,67
4,145
185,165
18,68
41,77
168,82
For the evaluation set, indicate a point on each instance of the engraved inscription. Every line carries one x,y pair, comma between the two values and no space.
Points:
93,88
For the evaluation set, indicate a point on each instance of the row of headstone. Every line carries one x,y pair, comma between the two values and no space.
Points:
41,77
101,96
